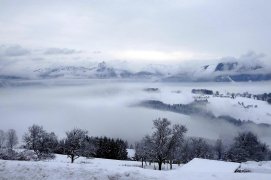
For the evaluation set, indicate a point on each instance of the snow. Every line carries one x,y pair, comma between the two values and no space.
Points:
60,168
206,72
258,167
131,153
259,114
105,169
206,165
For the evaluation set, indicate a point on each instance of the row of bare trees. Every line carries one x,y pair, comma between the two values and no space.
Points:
167,143
8,139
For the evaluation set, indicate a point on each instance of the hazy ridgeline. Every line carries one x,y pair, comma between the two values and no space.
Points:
106,108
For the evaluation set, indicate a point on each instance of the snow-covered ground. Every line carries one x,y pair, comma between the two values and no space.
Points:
206,165
104,169
131,153
258,114
259,167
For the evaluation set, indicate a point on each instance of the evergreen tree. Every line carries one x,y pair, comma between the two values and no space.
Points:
247,147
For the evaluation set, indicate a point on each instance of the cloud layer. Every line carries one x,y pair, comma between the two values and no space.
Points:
60,51
230,27
14,50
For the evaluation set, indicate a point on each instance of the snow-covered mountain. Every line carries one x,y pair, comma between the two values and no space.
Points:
219,72
232,67
232,71
100,70
223,72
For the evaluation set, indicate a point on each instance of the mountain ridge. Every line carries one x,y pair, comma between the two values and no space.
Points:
219,72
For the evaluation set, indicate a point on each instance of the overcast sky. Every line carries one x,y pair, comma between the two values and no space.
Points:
160,30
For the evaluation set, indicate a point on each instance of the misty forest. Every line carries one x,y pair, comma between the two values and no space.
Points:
135,89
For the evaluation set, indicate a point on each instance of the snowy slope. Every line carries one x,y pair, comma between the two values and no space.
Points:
131,153
258,167
258,113
205,165
103,169
206,71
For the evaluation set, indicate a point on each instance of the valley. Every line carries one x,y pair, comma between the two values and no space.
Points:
98,105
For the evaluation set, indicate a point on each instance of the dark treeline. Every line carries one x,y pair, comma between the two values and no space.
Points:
99,147
188,109
197,108
261,97
202,91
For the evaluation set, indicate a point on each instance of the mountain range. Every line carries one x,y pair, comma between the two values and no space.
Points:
219,72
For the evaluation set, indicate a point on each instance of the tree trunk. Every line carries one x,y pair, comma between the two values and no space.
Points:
142,162
219,155
170,163
72,158
160,165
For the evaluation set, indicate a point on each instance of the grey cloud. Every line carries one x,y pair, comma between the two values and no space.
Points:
249,57
14,50
60,51
178,25
96,52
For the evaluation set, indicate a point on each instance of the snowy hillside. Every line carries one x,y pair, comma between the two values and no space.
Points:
259,112
240,108
104,169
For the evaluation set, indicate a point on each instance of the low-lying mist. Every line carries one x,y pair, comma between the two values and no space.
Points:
105,108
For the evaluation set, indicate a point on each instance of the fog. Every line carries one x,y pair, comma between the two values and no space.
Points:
107,108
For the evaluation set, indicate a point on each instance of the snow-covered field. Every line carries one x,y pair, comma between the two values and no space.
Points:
205,165
104,169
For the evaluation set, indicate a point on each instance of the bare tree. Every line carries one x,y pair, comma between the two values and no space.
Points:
142,150
2,138
196,148
164,141
32,137
201,149
219,148
160,140
176,142
74,143
12,139
41,142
